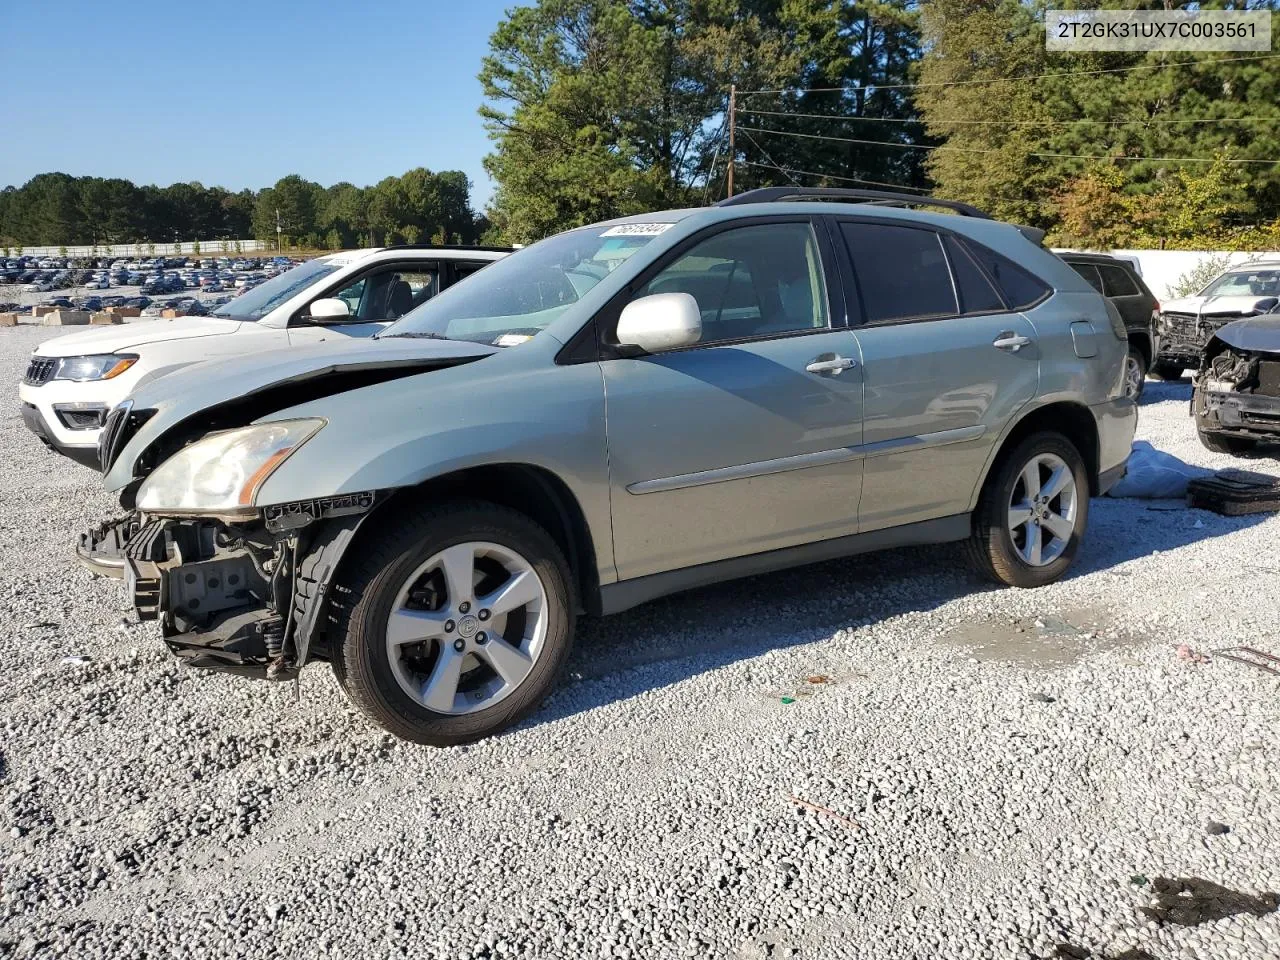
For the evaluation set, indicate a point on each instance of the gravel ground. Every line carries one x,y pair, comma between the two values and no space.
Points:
983,773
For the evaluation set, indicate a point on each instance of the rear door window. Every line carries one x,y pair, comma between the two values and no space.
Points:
902,272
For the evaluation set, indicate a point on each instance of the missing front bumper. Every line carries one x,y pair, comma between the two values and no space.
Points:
1240,414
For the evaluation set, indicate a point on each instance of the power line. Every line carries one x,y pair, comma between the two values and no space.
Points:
848,119
771,160
1039,76
1056,156
830,176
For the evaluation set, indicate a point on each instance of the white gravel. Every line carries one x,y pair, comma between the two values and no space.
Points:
1023,768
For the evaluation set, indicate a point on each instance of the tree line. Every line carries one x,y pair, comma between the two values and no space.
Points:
418,206
600,108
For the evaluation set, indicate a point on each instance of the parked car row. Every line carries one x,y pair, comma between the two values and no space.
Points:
167,274
419,480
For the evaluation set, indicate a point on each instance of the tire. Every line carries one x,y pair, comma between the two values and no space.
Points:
1225,443
1135,373
389,566
994,549
1167,369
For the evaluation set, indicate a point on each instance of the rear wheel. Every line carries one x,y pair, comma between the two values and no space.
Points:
457,623
1135,373
1032,514
1167,369
1225,443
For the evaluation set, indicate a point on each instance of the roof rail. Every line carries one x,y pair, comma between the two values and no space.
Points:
883,197
466,247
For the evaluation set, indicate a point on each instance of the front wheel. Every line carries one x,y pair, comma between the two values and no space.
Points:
1032,513
456,622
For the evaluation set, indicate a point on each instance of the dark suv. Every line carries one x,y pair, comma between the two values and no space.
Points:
1120,283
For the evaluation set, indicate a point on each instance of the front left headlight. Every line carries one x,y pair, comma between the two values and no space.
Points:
222,473
102,366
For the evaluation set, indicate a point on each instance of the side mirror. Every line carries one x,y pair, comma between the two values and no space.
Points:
329,310
660,321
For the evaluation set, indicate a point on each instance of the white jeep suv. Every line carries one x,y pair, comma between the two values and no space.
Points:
73,381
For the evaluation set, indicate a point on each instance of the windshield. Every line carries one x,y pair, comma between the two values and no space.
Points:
264,298
1245,283
520,295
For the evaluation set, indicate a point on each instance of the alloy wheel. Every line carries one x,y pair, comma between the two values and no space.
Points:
467,627
1133,377
1042,509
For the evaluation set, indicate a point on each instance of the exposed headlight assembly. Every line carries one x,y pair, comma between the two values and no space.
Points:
101,366
222,473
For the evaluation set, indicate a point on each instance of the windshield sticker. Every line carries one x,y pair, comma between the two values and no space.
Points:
511,339
637,230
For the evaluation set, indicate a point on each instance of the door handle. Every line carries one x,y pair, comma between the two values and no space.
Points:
1010,341
832,365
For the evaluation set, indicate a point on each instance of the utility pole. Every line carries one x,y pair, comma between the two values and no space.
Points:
277,229
733,105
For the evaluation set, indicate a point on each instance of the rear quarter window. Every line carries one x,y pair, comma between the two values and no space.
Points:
1020,287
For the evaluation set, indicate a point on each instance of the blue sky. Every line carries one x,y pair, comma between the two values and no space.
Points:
238,95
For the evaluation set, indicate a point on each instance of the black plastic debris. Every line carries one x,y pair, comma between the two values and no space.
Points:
1233,493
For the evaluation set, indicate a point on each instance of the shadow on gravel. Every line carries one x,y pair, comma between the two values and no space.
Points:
1160,391
674,638
1190,901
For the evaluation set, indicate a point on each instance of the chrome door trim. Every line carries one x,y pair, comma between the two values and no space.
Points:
819,458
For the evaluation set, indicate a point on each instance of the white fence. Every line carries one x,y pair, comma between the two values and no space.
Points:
206,248
1161,269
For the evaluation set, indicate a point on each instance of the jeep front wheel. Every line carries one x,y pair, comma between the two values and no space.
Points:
457,623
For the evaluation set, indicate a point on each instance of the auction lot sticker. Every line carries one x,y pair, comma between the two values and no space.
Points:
1195,30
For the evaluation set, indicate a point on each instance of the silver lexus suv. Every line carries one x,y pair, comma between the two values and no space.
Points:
615,413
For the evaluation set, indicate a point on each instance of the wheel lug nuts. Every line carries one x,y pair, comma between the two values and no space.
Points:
464,607
459,644
483,614
448,626
481,637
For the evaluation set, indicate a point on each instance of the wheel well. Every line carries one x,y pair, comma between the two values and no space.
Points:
537,493
1072,420
1143,342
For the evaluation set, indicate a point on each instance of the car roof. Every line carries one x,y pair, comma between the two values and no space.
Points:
1070,255
1253,265
415,251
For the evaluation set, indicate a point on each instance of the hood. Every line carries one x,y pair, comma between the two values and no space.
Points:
115,337
1253,334
239,390
1210,306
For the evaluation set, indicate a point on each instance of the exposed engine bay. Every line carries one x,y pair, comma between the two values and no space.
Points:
245,598
244,593
1237,392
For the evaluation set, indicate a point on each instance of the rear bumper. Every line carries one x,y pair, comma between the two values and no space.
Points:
82,453
1117,422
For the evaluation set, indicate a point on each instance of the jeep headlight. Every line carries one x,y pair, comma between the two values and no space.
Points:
101,366
222,473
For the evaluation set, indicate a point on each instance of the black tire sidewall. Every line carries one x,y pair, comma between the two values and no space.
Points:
367,674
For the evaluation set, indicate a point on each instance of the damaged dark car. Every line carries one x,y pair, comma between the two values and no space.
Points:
1236,399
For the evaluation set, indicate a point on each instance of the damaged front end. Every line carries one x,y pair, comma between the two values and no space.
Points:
242,596
1237,389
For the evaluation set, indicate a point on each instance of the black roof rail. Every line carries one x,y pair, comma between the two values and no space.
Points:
447,246
883,197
